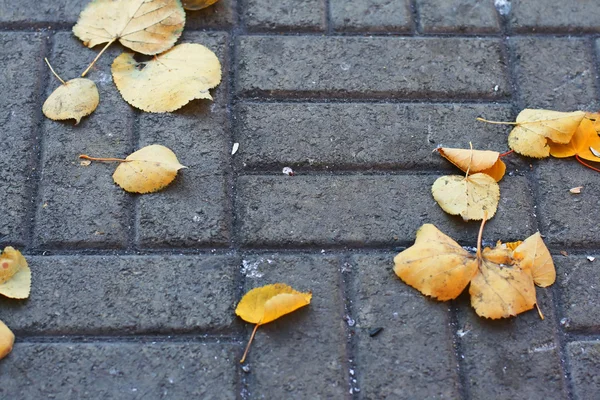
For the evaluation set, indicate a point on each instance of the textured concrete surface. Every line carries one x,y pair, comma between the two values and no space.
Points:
133,297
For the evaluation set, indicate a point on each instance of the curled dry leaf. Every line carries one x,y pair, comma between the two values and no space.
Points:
576,190
169,81
267,303
146,26
471,197
7,339
534,255
15,275
484,161
197,4
72,100
584,139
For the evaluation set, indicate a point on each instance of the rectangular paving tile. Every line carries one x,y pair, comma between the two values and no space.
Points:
301,355
380,135
119,371
457,16
112,295
413,356
555,16
577,278
194,210
364,210
511,358
20,87
371,15
81,206
584,360
61,11
371,67
568,82
295,15
222,15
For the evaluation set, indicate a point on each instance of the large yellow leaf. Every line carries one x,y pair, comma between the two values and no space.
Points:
169,81
72,100
435,265
484,161
267,303
7,339
585,137
594,119
197,4
534,255
146,26
15,275
471,197
148,170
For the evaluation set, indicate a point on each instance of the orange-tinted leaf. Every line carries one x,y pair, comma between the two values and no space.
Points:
585,137
15,275
267,303
7,339
594,119
435,265
484,161
534,254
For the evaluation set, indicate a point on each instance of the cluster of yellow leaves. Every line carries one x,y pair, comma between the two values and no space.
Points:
501,278
173,78
15,282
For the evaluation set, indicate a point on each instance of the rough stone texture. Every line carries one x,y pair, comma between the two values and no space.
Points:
565,218
413,357
555,16
371,67
304,15
566,82
124,295
359,210
81,206
119,371
222,15
355,135
457,16
303,351
194,210
577,278
510,358
585,357
18,114
371,15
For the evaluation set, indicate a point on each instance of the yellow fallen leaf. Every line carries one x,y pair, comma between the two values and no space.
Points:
7,339
484,161
267,303
469,197
585,137
535,256
594,119
148,170
197,4
169,81
435,265
15,275
72,100
146,26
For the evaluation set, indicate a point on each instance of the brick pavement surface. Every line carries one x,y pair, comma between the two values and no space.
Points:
133,296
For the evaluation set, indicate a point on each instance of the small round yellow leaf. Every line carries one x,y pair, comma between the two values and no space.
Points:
73,100
15,275
197,4
267,303
470,197
484,161
169,81
148,170
7,339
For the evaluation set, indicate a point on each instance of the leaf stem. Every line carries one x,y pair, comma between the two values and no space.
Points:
97,57
470,161
86,157
539,311
584,164
506,153
496,122
54,72
480,235
248,345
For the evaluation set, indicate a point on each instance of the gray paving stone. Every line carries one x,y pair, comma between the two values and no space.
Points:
304,15
81,206
119,371
358,210
371,15
565,218
468,16
511,358
350,135
20,12
222,14
194,210
301,355
585,358
568,79
386,67
555,16
413,357
127,294
20,55
577,278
